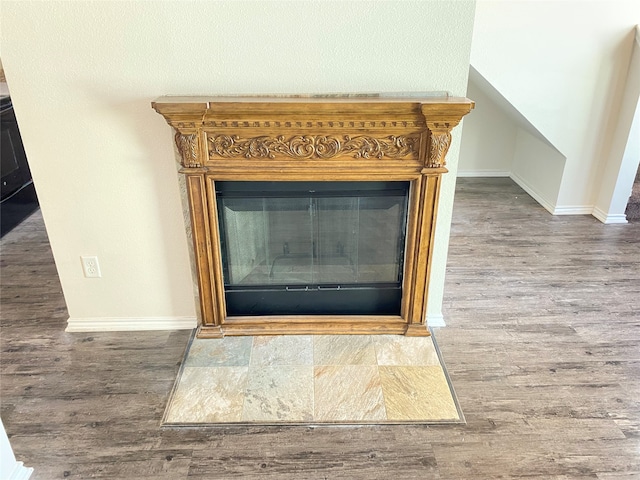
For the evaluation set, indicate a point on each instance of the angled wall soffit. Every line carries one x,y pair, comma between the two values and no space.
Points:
509,109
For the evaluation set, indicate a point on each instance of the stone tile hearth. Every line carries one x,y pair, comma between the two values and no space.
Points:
312,379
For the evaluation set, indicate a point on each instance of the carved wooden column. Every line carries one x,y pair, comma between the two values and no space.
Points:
313,139
440,120
190,143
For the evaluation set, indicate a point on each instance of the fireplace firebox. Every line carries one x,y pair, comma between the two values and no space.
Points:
292,248
312,214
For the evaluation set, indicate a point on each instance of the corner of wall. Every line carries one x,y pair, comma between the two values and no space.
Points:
435,320
623,157
608,219
499,141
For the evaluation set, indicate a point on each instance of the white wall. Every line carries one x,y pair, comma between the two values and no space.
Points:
489,139
537,167
499,141
83,74
562,65
619,170
10,468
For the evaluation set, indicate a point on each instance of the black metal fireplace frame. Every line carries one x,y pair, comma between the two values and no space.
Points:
381,298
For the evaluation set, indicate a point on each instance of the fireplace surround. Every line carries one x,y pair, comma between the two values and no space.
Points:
312,214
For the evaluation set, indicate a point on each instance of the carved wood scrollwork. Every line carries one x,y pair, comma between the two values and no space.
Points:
440,142
188,148
314,146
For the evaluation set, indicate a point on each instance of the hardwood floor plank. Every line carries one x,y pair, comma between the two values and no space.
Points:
324,452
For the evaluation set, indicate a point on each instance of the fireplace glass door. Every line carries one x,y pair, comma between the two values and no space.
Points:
312,248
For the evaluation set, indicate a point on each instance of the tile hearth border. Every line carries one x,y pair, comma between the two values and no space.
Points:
312,380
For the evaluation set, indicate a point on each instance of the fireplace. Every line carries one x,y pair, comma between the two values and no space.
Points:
312,214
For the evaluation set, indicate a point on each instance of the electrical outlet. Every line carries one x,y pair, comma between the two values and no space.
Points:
90,266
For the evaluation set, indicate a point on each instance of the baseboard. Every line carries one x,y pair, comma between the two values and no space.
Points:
436,320
20,472
573,210
117,324
483,173
527,188
111,324
609,219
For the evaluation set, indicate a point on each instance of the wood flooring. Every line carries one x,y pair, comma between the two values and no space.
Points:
542,346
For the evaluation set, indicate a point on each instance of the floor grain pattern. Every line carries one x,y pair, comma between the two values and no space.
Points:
542,346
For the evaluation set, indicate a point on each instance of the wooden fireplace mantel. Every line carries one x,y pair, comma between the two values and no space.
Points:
332,138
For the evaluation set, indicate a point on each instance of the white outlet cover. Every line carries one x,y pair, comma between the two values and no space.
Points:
90,266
